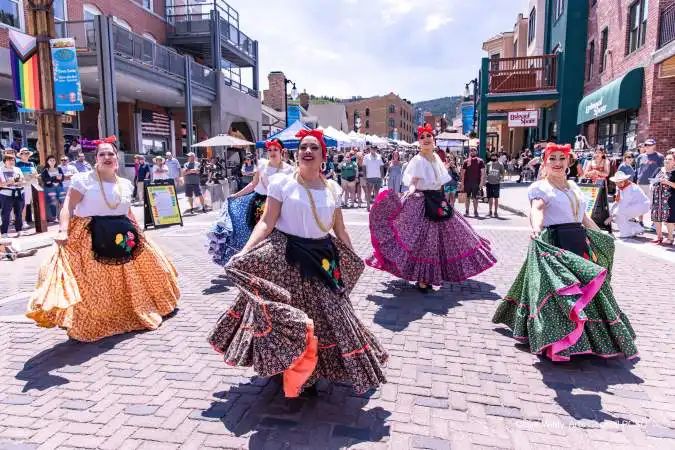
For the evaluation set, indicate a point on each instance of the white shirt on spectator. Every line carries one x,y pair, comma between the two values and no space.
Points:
373,164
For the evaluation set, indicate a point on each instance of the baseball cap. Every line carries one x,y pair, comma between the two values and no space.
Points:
650,142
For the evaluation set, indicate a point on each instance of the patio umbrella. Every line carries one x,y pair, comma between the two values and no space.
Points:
223,140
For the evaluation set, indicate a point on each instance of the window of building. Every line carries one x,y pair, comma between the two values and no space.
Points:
90,11
558,8
121,22
401,125
515,49
9,13
603,49
60,10
367,112
150,37
367,123
392,123
531,26
618,132
591,60
148,4
392,108
637,25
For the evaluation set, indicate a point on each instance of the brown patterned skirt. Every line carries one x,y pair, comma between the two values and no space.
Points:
282,323
93,300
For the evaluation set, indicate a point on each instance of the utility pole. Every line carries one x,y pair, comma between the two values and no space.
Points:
40,23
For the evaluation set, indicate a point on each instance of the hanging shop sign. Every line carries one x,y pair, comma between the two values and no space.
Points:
467,118
24,62
523,119
67,88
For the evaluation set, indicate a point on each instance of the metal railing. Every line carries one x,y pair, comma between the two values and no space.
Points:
523,74
146,52
236,38
203,76
201,7
240,87
667,25
81,30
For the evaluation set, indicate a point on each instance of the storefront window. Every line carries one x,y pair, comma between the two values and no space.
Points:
9,13
8,111
617,133
154,146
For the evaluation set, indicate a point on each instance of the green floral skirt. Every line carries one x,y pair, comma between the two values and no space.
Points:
563,304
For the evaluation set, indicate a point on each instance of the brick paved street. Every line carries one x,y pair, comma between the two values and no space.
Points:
455,379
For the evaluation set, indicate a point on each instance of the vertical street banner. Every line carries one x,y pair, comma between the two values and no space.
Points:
24,63
467,118
67,88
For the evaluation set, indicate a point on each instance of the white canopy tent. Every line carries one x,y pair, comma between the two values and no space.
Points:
342,139
223,140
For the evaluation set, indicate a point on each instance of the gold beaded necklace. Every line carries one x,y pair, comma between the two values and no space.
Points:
115,189
315,213
574,204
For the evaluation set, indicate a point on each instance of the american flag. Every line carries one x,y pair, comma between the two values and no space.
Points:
155,123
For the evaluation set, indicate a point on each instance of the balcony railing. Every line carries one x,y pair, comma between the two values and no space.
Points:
523,74
201,7
667,26
146,52
203,76
80,30
236,38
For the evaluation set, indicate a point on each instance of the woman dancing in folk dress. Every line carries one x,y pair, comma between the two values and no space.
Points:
562,301
419,238
243,210
293,316
104,277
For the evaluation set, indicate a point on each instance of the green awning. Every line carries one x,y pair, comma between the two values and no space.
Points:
623,93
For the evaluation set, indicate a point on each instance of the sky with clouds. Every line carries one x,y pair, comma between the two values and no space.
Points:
418,49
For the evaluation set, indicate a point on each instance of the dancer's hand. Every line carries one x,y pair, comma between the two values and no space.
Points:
61,238
239,255
535,233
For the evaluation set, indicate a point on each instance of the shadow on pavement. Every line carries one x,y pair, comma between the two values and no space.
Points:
68,356
405,304
593,375
219,285
334,420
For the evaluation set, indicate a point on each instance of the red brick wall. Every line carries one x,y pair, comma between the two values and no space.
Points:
663,112
379,116
613,14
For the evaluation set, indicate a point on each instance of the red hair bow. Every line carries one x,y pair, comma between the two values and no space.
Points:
551,147
318,134
424,129
270,144
105,140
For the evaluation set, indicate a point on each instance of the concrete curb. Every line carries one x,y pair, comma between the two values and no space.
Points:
512,210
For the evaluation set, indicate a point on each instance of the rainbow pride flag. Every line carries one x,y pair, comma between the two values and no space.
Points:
23,59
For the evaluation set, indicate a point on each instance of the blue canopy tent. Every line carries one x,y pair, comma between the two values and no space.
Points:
287,136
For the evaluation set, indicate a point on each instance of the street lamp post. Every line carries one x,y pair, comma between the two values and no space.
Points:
475,99
294,95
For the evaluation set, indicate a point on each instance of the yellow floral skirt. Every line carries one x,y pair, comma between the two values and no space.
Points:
93,300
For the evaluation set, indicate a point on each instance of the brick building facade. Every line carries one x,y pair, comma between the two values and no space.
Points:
624,36
159,49
383,116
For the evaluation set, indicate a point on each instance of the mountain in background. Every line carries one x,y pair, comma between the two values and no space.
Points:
438,106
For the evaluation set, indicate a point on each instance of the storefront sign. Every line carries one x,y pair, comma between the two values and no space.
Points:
520,119
163,204
67,89
597,108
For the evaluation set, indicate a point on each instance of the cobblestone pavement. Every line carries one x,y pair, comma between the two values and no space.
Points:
455,379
